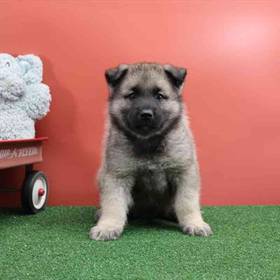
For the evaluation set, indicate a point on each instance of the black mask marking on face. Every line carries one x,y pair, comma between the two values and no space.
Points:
149,146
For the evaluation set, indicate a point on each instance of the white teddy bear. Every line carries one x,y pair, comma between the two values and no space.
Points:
23,97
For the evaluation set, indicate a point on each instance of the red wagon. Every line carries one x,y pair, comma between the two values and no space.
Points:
34,191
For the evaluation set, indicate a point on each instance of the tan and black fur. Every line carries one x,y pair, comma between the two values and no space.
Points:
149,167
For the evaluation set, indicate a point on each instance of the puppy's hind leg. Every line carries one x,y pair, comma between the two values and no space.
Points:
97,215
115,201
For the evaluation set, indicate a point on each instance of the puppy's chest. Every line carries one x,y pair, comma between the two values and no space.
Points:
156,175
151,172
151,178
153,189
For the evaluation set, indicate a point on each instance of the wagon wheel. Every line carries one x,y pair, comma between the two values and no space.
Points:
34,192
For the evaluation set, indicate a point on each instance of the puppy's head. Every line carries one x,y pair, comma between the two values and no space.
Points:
145,98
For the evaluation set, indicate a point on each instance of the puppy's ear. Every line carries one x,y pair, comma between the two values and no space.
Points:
175,74
114,75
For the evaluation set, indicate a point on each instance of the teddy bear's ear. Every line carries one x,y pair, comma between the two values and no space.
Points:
32,68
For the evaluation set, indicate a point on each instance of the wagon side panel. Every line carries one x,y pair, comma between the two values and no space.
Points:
17,153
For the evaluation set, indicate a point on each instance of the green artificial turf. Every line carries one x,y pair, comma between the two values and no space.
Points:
54,244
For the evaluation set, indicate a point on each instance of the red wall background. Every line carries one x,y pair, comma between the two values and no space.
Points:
231,50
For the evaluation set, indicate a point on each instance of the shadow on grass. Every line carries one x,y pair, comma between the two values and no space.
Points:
154,224
77,219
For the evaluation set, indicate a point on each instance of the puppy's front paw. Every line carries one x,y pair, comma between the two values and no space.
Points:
105,233
197,229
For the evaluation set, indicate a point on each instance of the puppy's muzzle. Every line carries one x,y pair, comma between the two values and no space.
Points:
146,115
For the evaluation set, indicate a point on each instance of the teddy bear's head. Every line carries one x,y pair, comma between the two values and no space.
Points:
16,73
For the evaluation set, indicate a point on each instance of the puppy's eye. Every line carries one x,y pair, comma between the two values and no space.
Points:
131,95
159,96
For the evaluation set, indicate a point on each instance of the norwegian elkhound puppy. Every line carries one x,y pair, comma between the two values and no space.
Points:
149,166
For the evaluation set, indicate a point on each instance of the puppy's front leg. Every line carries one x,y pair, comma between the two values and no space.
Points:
115,201
187,203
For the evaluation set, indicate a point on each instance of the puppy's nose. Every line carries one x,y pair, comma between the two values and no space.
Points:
146,114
